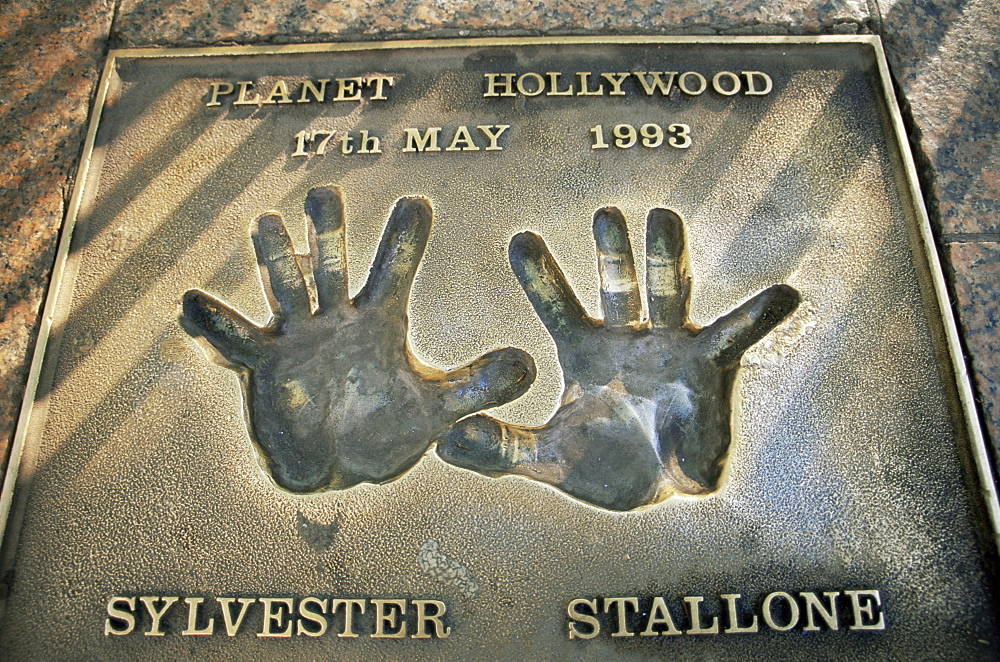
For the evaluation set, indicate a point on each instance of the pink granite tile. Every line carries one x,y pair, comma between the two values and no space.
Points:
945,55
50,63
976,281
149,22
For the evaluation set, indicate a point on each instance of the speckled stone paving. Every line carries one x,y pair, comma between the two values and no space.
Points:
943,53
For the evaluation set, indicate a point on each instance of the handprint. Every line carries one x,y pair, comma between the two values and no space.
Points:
646,405
334,397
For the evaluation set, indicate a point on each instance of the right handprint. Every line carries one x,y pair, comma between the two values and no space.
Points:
646,405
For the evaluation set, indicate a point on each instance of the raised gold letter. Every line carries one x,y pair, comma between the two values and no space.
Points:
314,616
659,615
693,602
387,617
279,90
584,92
425,143
682,83
813,603
507,85
380,83
622,631
616,80
242,100
734,85
493,136
319,93
219,89
734,622
192,628
227,616
348,614
866,610
368,144
120,615
462,136
154,628
423,618
276,617
656,83
348,89
752,89
539,84
575,615
793,611
554,90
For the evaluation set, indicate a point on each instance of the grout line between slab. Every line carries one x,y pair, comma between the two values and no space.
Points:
971,237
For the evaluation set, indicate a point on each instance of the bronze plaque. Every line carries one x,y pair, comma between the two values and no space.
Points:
569,348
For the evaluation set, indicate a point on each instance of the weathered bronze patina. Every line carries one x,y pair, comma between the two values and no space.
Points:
279,413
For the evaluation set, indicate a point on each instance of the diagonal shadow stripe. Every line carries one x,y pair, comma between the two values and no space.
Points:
113,300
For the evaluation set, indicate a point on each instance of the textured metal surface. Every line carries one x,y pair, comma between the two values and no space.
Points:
852,466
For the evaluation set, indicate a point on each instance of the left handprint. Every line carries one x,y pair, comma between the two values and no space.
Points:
333,394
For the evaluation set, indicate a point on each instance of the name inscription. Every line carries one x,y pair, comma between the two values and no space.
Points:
281,617
400,618
780,611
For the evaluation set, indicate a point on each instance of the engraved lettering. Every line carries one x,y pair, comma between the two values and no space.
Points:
126,617
276,611
193,605
866,610
424,617
573,611
734,619
387,617
156,615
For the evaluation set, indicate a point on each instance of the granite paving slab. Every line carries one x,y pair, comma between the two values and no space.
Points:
50,63
150,22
